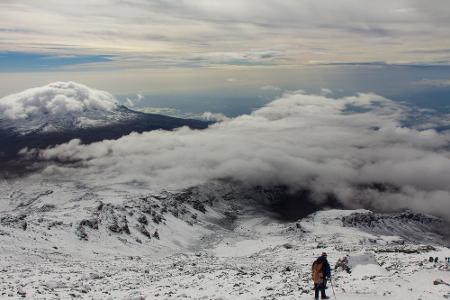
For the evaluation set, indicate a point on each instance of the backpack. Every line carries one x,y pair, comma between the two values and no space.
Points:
317,272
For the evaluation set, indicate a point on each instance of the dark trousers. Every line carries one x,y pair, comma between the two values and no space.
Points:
320,287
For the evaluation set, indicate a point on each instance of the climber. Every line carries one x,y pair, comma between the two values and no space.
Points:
321,272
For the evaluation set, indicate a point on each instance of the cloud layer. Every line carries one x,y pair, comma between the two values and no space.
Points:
155,33
352,147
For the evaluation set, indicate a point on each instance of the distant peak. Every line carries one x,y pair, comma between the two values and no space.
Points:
59,106
57,98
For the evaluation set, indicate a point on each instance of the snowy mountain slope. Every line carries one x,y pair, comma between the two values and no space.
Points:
216,241
409,226
62,111
129,215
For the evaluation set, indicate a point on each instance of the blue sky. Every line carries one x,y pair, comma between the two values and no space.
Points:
23,61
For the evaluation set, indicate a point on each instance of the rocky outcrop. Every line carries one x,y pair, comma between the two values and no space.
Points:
410,226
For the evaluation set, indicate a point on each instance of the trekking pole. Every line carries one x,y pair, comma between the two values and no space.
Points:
332,287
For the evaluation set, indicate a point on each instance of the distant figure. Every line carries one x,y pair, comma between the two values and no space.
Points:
321,272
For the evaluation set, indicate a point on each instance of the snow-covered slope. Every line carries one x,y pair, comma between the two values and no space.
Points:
216,241
409,226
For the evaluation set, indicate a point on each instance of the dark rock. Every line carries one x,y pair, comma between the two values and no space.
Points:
143,230
81,233
115,228
13,221
46,208
440,281
342,264
54,224
199,206
126,229
287,246
21,292
24,225
142,219
156,217
100,206
91,223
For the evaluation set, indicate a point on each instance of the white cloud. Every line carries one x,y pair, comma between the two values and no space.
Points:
326,92
271,88
57,98
215,117
434,82
132,102
300,140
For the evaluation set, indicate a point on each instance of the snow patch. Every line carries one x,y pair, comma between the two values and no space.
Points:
365,265
361,271
363,259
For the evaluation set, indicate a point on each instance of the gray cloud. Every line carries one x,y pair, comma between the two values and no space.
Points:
179,30
340,146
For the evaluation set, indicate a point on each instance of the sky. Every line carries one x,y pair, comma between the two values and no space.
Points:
224,56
